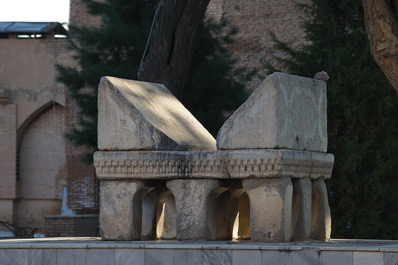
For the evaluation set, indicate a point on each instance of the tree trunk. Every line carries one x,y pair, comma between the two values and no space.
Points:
382,28
171,43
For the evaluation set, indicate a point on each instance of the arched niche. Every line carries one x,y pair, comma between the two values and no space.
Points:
41,166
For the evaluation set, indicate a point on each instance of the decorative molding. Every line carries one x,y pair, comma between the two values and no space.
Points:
224,164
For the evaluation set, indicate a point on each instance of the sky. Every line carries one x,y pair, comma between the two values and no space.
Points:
34,10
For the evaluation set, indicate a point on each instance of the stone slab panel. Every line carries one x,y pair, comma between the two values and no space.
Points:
71,256
368,258
188,257
42,256
129,256
135,115
337,257
101,256
285,111
246,257
390,258
217,257
14,256
270,208
158,257
275,257
307,257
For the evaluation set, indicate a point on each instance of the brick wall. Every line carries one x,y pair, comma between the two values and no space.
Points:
78,14
254,19
82,183
79,225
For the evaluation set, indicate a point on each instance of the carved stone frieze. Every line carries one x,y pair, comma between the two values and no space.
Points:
224,164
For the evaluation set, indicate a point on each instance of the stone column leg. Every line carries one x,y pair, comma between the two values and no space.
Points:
321,220
225,212
120,209
270,208
148,229
166,216
244,217
301,209
195,208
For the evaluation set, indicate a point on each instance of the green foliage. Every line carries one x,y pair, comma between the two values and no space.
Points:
116,47
362,118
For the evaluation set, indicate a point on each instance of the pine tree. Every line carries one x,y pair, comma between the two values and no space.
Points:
115,48
362,118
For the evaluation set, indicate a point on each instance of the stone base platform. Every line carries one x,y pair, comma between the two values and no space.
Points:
93,251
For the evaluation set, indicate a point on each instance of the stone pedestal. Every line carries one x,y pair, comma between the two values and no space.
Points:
146,137
121,209
271,208
195,208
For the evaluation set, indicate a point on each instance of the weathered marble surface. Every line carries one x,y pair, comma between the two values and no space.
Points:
321,226
135,115
195,201
121,209
270,208
222,164
78,251
301,209
285,111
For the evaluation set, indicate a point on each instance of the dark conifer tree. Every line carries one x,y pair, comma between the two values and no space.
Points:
116,47
362,118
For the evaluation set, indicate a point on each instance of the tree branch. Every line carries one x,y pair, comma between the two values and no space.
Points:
382,28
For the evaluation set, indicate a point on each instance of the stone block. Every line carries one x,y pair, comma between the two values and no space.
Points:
270,208
135,115
301,209
333,257
285,111
320,212
121,209
195,202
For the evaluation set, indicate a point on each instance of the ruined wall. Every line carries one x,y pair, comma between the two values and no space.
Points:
254,19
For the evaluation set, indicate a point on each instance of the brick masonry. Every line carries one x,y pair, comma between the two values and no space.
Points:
79,225
255,19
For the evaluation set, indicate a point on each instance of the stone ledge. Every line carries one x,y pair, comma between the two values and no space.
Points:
222,164
95,242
